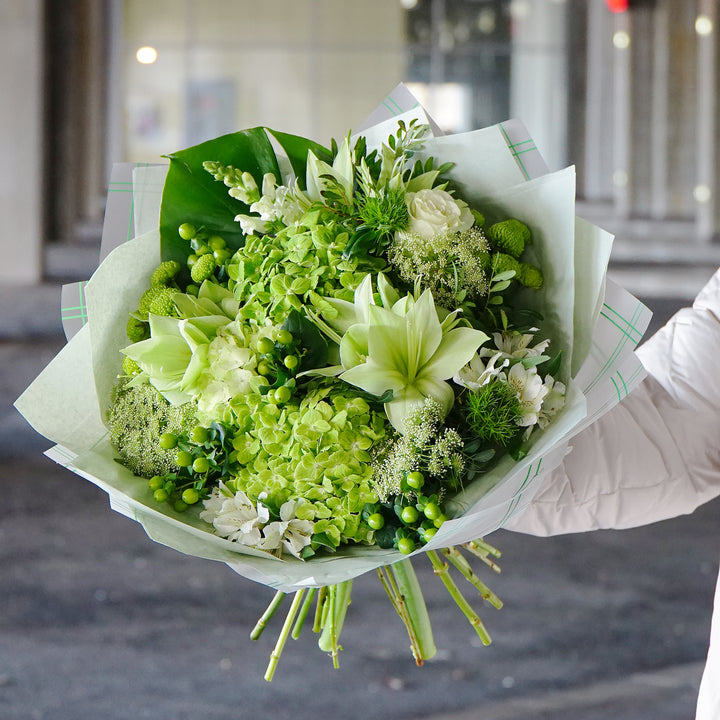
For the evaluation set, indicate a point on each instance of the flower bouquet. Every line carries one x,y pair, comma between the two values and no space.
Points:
313,362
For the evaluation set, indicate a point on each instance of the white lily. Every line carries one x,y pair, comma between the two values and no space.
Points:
411,353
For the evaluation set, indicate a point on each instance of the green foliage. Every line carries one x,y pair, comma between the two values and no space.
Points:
493,411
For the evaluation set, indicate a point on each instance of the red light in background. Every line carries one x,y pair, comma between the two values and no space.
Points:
617,6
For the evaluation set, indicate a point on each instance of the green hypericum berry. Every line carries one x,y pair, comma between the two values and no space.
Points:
530,276
282,394
265,346
291,362
155,483
439,520
431,511
409,515
429,534
215,242
190,496
183,459
264,367
200,465
406,545
284,337
137,330
187,231
180,506
509,236
160,495
164,273
203,268
376,521
168,441
199,434
415,480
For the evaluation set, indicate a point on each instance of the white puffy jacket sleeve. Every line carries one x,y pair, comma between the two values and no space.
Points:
657,454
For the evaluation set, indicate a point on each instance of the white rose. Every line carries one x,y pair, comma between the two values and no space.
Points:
436,212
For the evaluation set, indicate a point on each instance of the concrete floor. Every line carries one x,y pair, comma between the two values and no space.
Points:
99,622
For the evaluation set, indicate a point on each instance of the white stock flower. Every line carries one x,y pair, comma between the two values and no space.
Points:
234,516
436,212
530,391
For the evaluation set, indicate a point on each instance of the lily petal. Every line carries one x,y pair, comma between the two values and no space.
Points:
456,349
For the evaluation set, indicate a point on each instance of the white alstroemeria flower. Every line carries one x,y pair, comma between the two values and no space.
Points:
530,391
476,373
516,346
553,402
289,531
234,516
436,212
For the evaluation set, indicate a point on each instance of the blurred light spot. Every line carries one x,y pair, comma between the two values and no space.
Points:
621,40
394,683
703,25
620,178
519,9
486,21
409,4
702,193
617,6
146,55
508,682
225,664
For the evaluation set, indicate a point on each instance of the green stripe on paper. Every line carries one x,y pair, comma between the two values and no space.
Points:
620,345
514,153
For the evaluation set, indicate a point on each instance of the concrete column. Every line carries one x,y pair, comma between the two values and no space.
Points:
21,63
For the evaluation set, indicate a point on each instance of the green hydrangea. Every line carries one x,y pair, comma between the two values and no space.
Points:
317,448
274,274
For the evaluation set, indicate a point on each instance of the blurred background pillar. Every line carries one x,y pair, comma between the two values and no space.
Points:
704,191
21,109
538,75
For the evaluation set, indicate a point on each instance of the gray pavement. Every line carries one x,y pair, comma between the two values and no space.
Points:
99,622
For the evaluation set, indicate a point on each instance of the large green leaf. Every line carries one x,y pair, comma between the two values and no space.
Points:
193,195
